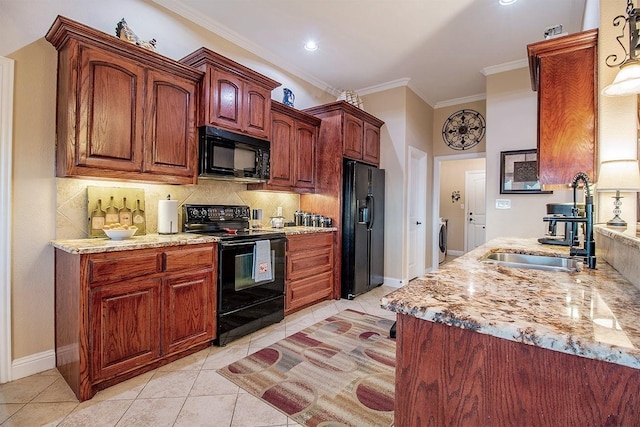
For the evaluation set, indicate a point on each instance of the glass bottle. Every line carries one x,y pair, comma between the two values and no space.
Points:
138,218
112,213
98,217
125,213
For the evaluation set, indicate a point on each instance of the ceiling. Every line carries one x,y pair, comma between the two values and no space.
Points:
439,48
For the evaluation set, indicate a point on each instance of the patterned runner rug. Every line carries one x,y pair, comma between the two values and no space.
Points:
340,371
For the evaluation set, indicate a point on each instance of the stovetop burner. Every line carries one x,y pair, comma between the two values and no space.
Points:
223,221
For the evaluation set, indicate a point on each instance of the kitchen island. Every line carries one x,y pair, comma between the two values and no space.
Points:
486,344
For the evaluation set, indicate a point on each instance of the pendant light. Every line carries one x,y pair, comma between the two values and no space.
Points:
627,81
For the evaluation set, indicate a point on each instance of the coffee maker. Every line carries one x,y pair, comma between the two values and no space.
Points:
555,210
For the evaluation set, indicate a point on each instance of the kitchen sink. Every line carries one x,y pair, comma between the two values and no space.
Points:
538,262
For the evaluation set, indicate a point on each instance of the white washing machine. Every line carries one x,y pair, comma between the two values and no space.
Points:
442,239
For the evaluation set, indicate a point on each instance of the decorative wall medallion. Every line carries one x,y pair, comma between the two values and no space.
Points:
463,129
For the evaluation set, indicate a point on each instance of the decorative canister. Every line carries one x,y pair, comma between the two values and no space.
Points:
306,219
288,98
297,218
315,220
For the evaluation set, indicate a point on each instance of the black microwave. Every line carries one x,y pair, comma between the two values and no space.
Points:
232,156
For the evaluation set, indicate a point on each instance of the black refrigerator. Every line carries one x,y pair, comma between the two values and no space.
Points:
362,229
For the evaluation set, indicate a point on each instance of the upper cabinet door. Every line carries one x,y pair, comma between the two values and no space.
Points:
282,144
170,145
305,155
226,100
257,107
371,144
110,116
353,133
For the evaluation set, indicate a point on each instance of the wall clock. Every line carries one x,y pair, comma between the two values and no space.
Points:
463,129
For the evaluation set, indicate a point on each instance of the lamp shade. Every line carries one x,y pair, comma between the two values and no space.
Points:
619,175
627,81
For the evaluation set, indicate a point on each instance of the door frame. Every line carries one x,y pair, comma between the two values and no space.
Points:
435,217
422,202
6,168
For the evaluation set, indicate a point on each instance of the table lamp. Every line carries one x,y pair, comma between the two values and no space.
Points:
619,175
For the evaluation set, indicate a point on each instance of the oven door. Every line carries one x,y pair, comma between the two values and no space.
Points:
237,289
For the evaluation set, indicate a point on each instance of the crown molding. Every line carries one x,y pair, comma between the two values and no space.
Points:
464,100
507,66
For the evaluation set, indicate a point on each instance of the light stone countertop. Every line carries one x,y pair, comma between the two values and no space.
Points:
103,244
303,230
590,313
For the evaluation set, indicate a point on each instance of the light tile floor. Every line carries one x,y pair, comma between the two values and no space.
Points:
187,392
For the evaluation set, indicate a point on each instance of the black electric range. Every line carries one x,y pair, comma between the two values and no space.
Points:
247,300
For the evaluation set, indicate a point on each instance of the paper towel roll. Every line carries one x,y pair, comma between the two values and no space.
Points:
167,216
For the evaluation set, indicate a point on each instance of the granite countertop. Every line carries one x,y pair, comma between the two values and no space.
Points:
305,230
589,313
99,245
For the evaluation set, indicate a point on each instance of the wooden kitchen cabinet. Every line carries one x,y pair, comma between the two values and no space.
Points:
294,137
123,112
564,72
447,375
309,277
360,131
232,96
119,314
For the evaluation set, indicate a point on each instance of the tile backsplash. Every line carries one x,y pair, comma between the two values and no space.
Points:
72,219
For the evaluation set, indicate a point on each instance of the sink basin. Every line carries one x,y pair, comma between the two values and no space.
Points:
538,262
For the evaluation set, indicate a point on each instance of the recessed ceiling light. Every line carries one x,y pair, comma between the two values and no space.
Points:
311,45
506,2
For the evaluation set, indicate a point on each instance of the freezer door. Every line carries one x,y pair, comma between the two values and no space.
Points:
376,228
361,230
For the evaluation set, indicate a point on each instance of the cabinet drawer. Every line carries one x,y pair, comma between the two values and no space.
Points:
309,290
309,263
128,265
304,242
189,258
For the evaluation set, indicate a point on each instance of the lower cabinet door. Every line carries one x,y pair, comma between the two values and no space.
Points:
189,311
125,322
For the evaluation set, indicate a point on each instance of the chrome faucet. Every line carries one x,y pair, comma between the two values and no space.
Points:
589,250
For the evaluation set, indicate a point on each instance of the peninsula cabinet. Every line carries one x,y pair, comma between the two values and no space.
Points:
294,136
119,314
309,276
123,112
446,375
232,96
564,72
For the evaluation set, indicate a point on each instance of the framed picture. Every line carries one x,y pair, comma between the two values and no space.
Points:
519,173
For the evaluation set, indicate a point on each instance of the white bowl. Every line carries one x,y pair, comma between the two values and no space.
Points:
120,234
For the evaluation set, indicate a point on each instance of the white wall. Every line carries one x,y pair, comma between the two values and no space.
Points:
512,125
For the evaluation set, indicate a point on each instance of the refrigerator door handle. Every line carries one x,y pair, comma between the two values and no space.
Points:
370,203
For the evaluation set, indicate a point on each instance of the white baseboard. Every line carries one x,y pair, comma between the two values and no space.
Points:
455,253
394,282
33,364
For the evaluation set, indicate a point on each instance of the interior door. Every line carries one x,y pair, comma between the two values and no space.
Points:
475,225
416,212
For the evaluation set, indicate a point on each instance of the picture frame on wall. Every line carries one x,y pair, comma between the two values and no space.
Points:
519,172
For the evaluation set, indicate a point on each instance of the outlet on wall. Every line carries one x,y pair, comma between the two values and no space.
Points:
503,203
